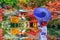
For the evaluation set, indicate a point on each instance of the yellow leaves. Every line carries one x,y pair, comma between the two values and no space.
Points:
14,19
22,1
15,31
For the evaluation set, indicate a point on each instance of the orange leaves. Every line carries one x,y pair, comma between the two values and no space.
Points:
15,31
14,19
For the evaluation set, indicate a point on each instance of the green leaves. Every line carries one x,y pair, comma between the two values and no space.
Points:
0,24
1,1
10,2
54,31
54,22
4,18
27,18
27,0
